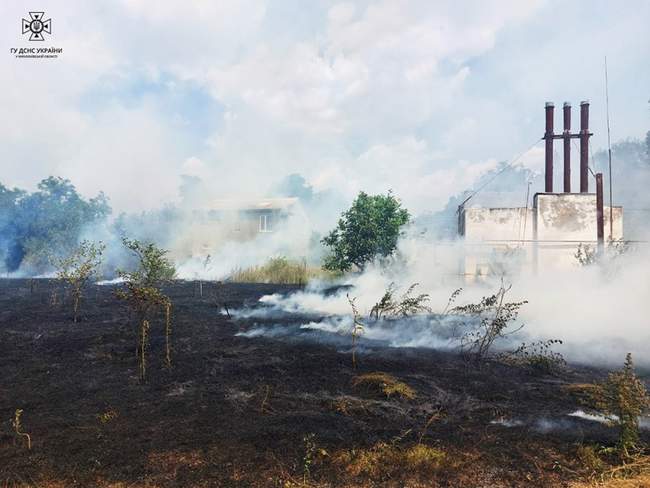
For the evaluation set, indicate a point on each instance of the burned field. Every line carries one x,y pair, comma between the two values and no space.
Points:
240,409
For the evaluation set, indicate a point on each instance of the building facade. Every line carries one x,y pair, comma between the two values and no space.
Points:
544,237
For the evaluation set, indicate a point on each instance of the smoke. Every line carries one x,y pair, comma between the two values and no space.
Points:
600,312
562,423
631,180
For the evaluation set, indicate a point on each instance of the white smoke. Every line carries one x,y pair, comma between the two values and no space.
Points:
600,312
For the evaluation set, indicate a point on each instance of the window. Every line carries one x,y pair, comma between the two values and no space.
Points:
266,223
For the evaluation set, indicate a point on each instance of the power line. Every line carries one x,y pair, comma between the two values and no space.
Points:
498,173
609,151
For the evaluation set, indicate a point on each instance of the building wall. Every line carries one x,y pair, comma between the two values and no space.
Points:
491,224
544,237
565,220
207,231
495,240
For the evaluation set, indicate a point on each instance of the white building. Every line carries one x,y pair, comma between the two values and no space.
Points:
544,237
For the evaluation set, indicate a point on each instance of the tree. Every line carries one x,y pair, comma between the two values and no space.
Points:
647,145
153,265
77,268
144,296
37,226
8,218
370,228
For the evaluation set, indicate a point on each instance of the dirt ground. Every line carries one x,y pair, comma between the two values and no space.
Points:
240,411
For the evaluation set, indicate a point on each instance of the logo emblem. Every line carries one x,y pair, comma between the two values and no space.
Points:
37,26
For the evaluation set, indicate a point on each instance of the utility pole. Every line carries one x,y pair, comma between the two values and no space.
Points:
600,221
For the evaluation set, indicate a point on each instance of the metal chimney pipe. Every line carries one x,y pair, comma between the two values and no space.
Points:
548,135
600,213
584,147
567,147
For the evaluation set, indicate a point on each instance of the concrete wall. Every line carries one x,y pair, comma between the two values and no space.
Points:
495,240
544,237
565,220
490,224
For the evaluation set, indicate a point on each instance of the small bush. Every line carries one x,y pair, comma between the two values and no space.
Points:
385,384
537,356
585,254
623,398
588,255
407,304
590,460
495,315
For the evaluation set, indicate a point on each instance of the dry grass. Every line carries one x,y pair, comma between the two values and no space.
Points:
603,467
108,416
383,461
385,384
642,481
347,405
283,271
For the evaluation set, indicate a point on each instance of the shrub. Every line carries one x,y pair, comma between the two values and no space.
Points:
538,356
495,316
587,255
369,228
588,458
78,268
404,306
623,398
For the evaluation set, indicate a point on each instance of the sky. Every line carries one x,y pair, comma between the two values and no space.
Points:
420,97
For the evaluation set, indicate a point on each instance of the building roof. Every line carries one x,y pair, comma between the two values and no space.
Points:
252,204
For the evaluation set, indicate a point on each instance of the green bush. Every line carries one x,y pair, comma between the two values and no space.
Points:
623,398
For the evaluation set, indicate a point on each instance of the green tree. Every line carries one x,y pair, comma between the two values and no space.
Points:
369,228
47,223
77,268
143,294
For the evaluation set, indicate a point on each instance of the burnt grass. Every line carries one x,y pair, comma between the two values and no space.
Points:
235,411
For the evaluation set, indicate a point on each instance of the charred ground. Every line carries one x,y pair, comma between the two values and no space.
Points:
239,411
